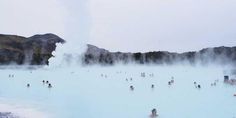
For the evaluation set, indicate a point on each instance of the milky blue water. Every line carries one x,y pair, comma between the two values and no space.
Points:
104,92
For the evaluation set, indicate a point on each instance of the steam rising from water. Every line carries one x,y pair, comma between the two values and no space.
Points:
76,35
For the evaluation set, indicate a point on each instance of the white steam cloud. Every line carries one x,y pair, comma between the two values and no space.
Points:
76,34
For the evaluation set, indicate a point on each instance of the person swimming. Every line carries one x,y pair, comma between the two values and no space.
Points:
28,85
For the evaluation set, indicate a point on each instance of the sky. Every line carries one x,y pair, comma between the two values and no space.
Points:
125,25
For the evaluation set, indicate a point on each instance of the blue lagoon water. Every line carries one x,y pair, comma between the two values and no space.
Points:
104,92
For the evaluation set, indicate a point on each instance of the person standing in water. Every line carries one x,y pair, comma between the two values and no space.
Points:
49,85
153,113
131,88
152,86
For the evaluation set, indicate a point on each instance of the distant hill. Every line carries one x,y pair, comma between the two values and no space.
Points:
35,50
219,55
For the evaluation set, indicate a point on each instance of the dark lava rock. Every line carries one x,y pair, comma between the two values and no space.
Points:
35,50
218,55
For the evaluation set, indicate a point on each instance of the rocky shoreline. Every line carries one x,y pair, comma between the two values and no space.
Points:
7,115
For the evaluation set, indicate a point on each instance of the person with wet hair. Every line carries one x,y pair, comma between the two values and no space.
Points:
49,85
152,86
214,83
28,85
131,88
153,113
195,84
226,78
199,86
11,75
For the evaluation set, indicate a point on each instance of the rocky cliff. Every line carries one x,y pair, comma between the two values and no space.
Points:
35,50
219,55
